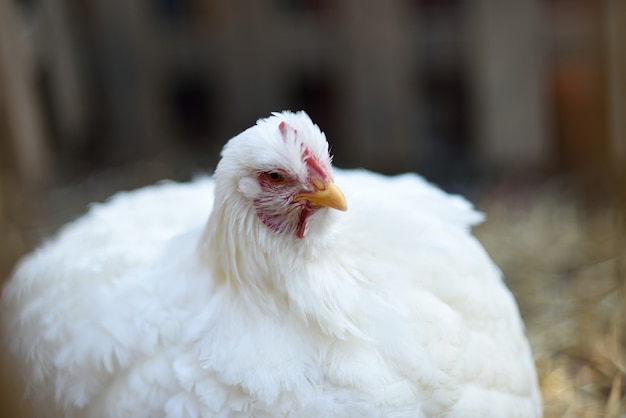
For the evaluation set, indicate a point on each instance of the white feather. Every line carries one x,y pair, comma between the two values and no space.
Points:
142,308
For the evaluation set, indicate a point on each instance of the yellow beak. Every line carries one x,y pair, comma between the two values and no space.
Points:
328,195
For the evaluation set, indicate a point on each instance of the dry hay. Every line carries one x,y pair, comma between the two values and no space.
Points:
565,264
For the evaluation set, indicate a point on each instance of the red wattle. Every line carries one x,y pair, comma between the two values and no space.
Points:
304,216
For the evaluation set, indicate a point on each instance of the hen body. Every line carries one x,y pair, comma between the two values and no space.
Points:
142,308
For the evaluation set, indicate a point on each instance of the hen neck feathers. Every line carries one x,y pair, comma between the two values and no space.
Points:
276,274
253,261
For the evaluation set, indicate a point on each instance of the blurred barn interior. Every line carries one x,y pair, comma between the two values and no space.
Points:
521,106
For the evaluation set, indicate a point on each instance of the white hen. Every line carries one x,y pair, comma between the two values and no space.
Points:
279,305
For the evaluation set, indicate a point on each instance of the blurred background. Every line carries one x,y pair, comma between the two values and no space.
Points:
518,105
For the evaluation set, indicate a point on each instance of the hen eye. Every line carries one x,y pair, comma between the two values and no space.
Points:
275,177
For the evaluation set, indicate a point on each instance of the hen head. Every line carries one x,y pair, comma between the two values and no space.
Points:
281,167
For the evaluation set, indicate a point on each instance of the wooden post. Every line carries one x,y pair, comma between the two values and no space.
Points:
18,98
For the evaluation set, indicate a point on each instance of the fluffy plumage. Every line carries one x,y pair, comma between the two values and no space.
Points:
279,305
